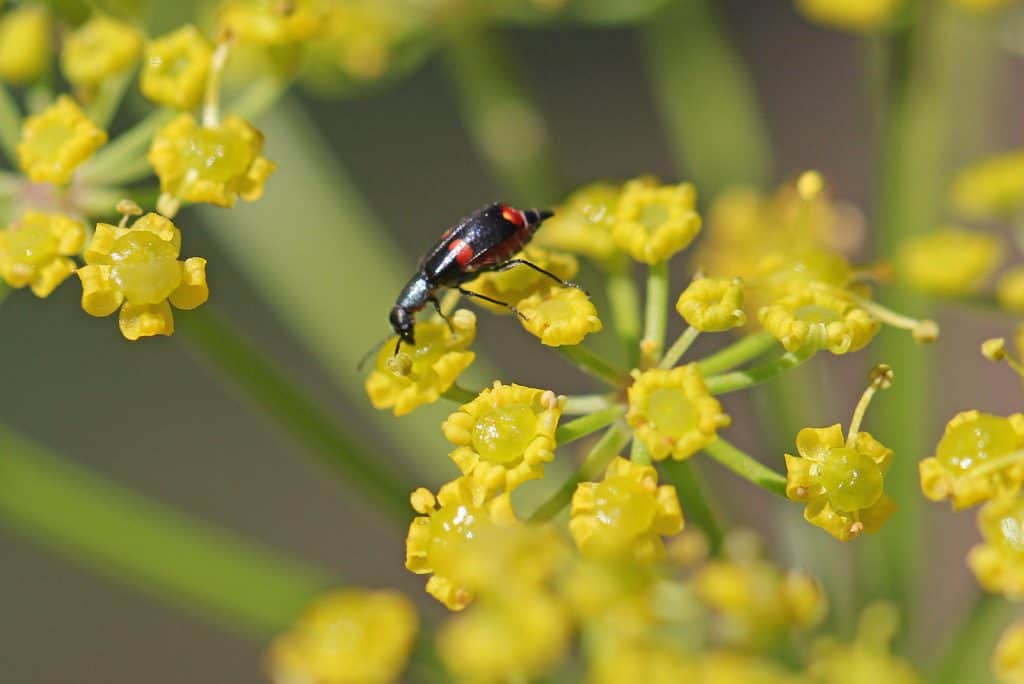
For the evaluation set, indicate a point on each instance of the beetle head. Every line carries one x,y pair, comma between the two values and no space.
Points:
402,323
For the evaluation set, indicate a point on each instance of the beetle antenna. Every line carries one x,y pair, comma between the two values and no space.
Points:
373,350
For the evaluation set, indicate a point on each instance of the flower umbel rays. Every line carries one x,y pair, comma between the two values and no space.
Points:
559,316
56,141
36,250
999,562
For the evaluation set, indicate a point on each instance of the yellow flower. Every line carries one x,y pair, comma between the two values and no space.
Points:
867,659
35,250
272,22
672,412
519,282
420,375
978,458
360,38
855,15
99,49
559,315
792,271
583,225
1008,658
1010,289
819,318
643,661
139,268
951,261
215,164
726,667
351,636
990,188
841,482
625,514
998,564
447,530
175,68
25,43
56,141
653,222
713,304
504,436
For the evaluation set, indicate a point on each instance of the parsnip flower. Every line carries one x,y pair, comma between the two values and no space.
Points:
175,68
56,141
214,164
137,270
653,222
978,458
713,304
819,318
1008,658
99,49
559,316
519,282
644,661
351,636
583,224
1010,289
948,262
672,412
867,659
35,250
420,375
360,38
448,527
26,45
272,22
626,514
504,436
998,564
991,188
855,15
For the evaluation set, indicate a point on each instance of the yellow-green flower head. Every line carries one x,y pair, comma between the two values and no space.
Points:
653,222
672,412
360,38
990,188
583,225
819,318
214,164
26,43
559,316
626,514
842,485
998,564
420,375
791,271
351,636
729,667
137,270
447,530
1008,658
713,304
642,661
950,261
175,68
978,458
853,15
272,22
504,436
1010,290
35,250
519,282
866,660
56,141
99,49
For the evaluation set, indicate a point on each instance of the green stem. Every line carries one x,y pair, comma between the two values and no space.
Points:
578,404
107,166
459,394
597,460
266,386
258,98
10,125
744,465
692,495
10,183
625,307
736,354
738,380
656,313
967,650
679,347
592,364
107,100
587,425
639,454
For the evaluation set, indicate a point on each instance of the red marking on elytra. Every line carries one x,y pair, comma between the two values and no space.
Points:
462,251
513,216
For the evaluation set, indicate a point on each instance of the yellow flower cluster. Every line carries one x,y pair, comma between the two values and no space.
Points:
57,141
26,43
100,49
36,250
998,563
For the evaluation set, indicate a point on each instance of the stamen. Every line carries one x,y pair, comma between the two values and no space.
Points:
127,209
995,350
924,330
880,378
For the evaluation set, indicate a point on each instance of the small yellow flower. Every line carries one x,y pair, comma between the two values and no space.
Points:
26,44
841,483
990,188
998,564
175,68
420,375
351,636
1010,290
361,38
672,412
559,316
272,22
951,261
99,49
56,141
855,15
36,249
519,282
138,268
820,318
866,660
583,225
1008,658
791,271
626,514
643,661
978,458
713,304
447,529
215,164
728,667
653,222
504,436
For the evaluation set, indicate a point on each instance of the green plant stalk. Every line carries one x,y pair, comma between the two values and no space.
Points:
124,150
594,365
578,404
736,354
10,183
10,125
693,494
459,394
746,466
968,648
107,100
587,425
624,303
679,347
639,454
244,587
656,308
744,379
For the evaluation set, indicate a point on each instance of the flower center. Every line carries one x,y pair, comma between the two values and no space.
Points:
623,504
672,412
556,309
215,154
852,481
145,267
1006,532
453,529
975,442
49,142
816,314
32,245
502,435
653,216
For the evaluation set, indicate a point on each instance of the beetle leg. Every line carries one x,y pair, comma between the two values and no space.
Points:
446,319
508,306
516,262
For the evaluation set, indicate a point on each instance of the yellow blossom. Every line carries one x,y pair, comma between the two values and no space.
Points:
215,164
727,667
999,562
867,659
138,268
625,514
272,22
583,224
351,636
653,222
672,412
1008,658
1010,289
175,68
35,250
820,319
713,304
56,141
559,315
360,38
519,282
421,374
978,458
99,49
504,436
855,15
951,261
26,45
643,661
991,188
